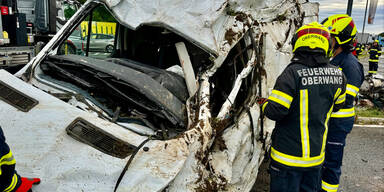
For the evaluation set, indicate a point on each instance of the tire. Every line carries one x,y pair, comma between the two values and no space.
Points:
109,48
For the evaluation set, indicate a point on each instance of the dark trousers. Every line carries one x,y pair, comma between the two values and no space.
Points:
288,180
334,150
373,67
7,171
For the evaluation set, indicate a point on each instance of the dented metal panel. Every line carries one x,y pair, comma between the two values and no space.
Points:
214,25
214,153
167,104
45,150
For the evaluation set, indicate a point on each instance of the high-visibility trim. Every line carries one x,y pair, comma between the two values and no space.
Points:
327,119
342,113
7,160
341,69
326,129
342,42
373,50
341,98
12,186
352,90
296,161
329,187
373,60
264,105
304,123
372,71
281,98
338,91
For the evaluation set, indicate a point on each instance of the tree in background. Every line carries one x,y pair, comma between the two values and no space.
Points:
69,11
100,14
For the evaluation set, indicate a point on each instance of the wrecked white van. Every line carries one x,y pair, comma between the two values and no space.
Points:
171,106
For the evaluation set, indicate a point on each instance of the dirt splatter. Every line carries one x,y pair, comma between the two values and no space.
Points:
219,143
280,18
279,45
212,184
242,17
220,125
263,72
230,36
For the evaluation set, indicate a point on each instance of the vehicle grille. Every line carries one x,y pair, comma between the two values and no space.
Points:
87,133
20,59
16,98
15,56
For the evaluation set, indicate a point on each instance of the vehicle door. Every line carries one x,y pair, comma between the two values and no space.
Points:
93,42
102,42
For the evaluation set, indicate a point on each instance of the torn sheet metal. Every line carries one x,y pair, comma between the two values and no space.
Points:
212,25
166,103
45,150
373,90
208,156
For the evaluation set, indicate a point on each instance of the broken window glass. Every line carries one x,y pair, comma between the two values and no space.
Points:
224,78
139,81
100,26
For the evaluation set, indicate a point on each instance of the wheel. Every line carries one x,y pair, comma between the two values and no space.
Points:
109,48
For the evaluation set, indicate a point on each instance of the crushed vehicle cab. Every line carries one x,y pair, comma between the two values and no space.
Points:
170,107
373,90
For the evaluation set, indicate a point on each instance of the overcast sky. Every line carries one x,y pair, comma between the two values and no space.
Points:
330,7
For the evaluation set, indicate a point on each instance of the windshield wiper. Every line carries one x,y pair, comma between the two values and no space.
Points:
102,78
69,75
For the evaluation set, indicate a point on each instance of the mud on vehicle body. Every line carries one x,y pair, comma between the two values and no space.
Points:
173,105
373,89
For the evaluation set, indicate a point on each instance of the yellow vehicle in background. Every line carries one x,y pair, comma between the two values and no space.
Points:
103,35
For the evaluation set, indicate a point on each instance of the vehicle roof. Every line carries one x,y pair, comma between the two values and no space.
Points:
214,25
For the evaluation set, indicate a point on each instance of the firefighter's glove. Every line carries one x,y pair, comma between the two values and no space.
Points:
27,183
261,101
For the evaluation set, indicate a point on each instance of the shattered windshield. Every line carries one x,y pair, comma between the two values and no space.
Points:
133,78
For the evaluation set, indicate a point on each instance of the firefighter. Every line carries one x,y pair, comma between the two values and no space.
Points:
301,102
374,54
10,181
343,31
354,49
359,50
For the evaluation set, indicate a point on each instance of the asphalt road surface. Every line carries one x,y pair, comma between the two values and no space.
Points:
363,163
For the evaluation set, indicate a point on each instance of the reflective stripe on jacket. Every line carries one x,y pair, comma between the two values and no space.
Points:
9,180
354,73
359,49
374,54
301,103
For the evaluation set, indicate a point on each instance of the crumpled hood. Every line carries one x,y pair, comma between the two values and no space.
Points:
42,148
